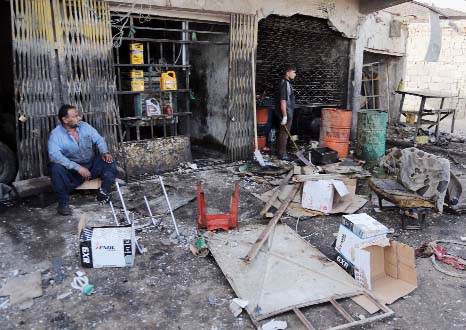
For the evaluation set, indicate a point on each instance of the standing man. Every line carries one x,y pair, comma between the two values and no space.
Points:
71,152
285,111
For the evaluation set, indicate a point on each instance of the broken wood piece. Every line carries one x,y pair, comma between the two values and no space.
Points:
303,319
315,177
268,229
272,199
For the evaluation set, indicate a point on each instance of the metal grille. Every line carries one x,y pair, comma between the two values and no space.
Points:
320,54
62,54
243,41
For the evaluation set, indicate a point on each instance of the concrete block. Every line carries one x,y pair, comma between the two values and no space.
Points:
32,187
155,155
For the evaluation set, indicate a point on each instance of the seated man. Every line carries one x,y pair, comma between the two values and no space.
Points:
72,158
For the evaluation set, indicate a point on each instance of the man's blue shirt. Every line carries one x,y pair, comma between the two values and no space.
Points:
64,150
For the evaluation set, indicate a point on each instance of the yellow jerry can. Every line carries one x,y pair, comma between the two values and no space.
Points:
168,81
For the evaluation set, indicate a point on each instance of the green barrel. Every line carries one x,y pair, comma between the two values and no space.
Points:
372,133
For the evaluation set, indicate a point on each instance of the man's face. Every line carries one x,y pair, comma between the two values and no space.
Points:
291,74
73,118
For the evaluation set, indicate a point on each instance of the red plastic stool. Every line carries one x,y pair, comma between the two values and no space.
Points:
217,221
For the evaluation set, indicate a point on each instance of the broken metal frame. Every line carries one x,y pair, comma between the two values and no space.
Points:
440,113
334,302
373,78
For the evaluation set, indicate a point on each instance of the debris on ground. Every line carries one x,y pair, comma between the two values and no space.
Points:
81,282
438,252
274,325
426,174
237,305
23,289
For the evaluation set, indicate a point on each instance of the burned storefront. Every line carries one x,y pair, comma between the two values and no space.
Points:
322,58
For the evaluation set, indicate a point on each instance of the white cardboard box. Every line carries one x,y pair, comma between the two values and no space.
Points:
348,243
363,225
319,195
110,246
383,266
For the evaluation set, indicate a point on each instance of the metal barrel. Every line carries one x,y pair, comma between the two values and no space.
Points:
372,133
335,130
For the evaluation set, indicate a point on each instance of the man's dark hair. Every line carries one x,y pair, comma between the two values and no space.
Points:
288,68
63,111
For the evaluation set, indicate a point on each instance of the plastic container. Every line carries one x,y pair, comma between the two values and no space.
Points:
262,115
152,107
261,140
323,156
136,53
137,80
168,81
335,130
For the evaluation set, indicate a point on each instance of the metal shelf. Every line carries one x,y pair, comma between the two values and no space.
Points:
152,91
152,65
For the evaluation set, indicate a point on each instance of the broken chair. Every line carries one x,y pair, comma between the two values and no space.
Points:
414,208
217,221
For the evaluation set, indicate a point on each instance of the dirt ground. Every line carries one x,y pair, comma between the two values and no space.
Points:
170,288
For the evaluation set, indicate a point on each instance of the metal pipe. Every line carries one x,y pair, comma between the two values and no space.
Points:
184,37
114,214
150,212
169,206
123,203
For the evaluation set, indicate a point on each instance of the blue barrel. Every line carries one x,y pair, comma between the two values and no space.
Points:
372,134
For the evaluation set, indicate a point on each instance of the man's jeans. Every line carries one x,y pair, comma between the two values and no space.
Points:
283,136
65,181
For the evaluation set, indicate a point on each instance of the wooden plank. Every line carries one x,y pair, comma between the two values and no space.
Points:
303,319
316,177
341,310
272,199
268,229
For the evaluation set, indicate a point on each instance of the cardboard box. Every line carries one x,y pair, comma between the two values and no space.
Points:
110,246
348,242
388,271
363,225
319,195
383,266
345,264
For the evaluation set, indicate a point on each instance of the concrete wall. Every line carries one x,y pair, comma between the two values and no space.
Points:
343,15
209,82
374,36
375,32
448,75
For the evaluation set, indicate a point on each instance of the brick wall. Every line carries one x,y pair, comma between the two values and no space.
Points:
448,75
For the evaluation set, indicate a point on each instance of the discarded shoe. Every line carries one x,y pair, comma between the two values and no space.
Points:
102,197
64,209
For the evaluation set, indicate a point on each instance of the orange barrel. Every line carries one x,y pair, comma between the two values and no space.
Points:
261,142
262,115
335,129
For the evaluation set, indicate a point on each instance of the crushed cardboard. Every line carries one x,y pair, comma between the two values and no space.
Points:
348,204
23,289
